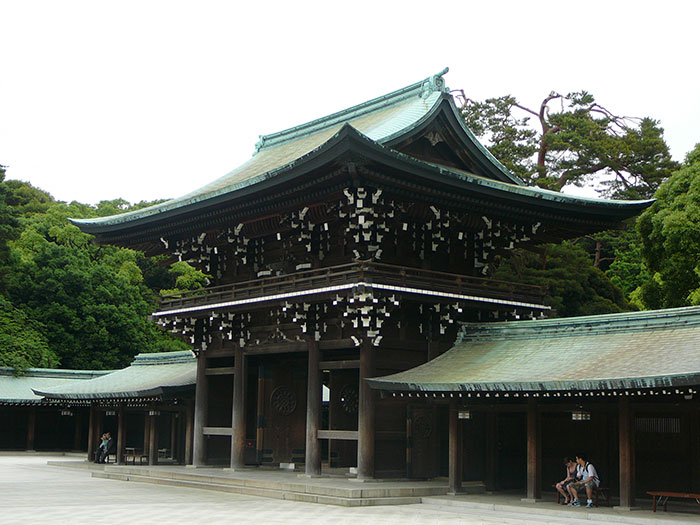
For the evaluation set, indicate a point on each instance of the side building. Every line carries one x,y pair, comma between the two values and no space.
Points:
347,248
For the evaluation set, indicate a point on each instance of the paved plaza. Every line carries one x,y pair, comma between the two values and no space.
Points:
34,492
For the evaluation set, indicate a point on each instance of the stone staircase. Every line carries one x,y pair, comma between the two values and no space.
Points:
286,485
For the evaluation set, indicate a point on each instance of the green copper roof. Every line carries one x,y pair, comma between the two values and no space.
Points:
19,389
637,350
150,375
381,122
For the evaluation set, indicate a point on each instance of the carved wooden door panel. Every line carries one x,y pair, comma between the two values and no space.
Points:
423,442
342,415
285,410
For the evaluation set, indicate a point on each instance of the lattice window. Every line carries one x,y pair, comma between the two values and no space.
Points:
659,425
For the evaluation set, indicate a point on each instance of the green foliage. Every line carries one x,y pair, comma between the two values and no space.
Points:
88,304
186,278
575,142
22,341
8,226
670,233
574,286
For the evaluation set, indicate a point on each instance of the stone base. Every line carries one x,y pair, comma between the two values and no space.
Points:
530,500
626,509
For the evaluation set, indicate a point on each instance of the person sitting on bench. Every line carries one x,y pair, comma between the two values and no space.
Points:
589,481
562,486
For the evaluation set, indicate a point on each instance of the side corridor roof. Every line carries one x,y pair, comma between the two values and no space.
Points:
639,350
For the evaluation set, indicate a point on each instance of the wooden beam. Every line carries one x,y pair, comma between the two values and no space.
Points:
282,348
339,365
222,371
491,451
336,344
348,435
217,431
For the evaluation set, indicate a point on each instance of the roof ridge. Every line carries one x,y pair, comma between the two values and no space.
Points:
422,88
576,326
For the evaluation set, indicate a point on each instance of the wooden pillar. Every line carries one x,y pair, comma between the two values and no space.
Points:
238,416
694,417
491,451
31,428
260,428
366,416
313,412
201,406
534,446
189,427
77,427
152,440
627,487
173,435
91,435
121,434
146,431
456,451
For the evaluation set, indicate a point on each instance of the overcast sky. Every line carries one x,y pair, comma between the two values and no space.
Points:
152,99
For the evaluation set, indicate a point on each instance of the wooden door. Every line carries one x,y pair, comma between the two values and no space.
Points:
285,410
423,442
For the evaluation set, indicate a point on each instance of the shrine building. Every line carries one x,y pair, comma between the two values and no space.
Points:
356,247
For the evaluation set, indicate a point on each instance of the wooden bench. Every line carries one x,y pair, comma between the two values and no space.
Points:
661,497
134,454
598,493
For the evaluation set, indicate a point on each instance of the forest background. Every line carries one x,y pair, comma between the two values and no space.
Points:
68,303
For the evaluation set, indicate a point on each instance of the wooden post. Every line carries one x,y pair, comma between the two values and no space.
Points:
146,431
31,428
201,399
121,434
627,487
189,427
153,440
365,423
491,451
313,412
534,485
260,424
238,416
456,450
91,435
77,427
173,435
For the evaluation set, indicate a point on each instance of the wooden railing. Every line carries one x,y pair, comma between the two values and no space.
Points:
362,271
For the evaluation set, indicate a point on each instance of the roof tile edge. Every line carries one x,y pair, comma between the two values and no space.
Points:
422,88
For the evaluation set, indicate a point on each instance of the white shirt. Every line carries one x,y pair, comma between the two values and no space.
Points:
589,471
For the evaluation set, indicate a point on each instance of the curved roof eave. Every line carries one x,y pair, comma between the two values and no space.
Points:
481,155
363,145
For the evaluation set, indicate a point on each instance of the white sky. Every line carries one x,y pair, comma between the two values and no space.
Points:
152,99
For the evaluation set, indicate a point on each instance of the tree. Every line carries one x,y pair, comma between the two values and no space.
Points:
574,286
670,233
89,303
22,341
8,227
574,143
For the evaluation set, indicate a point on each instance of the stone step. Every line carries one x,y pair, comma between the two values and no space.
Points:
277,493
317,486
528,512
